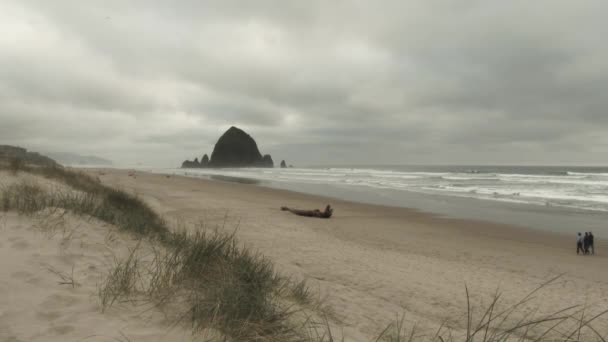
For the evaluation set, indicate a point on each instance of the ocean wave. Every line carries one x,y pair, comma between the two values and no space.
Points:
310,174
464,178
580,190
586,174
516,176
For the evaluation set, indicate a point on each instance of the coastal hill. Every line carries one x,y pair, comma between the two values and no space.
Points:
235,148
8,153
66,158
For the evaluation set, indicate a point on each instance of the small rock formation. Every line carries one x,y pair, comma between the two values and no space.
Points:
267,161
188,164
235,148
283,165
205,161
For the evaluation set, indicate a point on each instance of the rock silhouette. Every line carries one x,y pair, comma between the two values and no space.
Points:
267,161
234,148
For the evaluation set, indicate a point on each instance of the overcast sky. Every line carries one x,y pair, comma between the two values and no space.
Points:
336,81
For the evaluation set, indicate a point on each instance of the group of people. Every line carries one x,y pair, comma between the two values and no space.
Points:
584,244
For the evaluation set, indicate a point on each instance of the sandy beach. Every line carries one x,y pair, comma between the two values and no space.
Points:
375,263
369,265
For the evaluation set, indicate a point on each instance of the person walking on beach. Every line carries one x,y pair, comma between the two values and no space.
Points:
591,247
579,244
586,243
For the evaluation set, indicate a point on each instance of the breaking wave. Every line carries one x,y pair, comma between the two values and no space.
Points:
582,189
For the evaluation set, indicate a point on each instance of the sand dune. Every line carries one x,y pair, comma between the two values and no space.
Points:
51,265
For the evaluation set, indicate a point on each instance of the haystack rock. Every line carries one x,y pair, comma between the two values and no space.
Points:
235,148
283,165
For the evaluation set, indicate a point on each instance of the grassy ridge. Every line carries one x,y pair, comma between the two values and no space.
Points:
238,292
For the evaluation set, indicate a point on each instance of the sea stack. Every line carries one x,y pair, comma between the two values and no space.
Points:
267,161
205,161
235,148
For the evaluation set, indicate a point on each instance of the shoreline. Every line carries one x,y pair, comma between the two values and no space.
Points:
427,216
374,262
486,228
559,220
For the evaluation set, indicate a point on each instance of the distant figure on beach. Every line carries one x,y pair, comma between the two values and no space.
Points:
579,244
311,213
586,243
591,247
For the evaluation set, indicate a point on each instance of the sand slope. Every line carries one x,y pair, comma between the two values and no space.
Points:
36,251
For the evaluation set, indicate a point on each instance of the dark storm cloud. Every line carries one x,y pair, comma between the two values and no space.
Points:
343,81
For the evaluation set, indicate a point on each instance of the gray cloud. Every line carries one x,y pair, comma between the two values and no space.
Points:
458,81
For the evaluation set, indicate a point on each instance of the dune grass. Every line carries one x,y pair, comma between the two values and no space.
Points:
15,165
221,285
226,287
126,211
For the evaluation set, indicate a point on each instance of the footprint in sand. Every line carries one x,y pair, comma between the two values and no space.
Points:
61,330
22,275
17,227
48,315
59,300
28,277
20,244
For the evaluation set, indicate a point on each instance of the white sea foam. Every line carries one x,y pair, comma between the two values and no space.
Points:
586,174
581,190
465,178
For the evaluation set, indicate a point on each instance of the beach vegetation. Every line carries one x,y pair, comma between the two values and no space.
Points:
15,164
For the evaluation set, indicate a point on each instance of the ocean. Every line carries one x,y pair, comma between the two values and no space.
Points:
568,196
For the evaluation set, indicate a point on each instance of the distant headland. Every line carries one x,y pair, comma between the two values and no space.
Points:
9,153
73,159
235,148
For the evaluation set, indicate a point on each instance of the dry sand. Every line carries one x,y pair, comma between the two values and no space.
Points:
374,262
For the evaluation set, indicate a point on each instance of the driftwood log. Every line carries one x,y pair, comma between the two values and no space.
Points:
311,213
